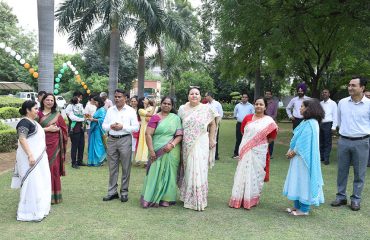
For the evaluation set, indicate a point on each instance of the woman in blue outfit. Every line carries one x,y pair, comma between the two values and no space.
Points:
304,182
97,152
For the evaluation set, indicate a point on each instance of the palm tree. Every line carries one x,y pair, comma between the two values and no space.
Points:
45,15
151,34
79,18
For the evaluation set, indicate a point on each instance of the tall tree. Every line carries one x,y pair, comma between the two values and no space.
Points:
45,15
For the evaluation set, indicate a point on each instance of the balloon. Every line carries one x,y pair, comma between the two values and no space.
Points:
69,63
31,70
60,75
73,69
18,57
35,74
56,91
8,49
22,61
83,83
56,86
26,66
78,76
85,86
57,79
88,91
13,53
2,45
62,71
78,80
64,64
65,68
76,72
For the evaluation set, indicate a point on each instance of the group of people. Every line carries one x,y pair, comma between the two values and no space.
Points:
181,148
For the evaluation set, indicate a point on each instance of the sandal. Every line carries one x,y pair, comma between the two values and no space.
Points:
289,210
299,213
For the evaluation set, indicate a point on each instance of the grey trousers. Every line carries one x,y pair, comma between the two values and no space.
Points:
119,151
357,152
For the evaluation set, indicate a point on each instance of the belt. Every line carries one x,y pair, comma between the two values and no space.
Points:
119,136
355,138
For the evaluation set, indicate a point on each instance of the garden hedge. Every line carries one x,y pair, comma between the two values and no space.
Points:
9,112
8,138
6,101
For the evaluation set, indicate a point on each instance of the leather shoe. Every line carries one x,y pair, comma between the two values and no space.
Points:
110,197
82,164
355,206
338,202
75,166
124,198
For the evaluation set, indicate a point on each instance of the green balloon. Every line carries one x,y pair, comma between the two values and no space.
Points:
65,67
56,86
62,71
56,91
57,79
60,75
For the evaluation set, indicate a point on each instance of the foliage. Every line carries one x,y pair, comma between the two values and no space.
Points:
6,101
9,112
228,107
228,115
8,138
282,115
19,40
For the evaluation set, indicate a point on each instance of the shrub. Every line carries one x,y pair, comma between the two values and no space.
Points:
9,112
228,107
6,101
228,115
8,138
281,115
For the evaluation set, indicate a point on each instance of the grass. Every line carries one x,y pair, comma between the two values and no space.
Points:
84,215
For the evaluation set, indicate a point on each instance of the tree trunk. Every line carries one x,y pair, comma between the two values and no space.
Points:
314,86
45,15
113,61
258,83
141,72
172,88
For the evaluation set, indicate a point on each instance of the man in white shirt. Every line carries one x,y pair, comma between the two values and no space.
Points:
294,105
353,144
328,124
218,108
120,121
367,94
107,102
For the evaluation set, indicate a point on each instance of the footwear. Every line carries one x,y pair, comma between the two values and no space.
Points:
217,158
355,206
124,198
235,157
75,166
82,164
289,210
110,197
338,202
299,213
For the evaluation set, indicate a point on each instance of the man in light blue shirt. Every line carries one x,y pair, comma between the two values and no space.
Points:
353,144
240,111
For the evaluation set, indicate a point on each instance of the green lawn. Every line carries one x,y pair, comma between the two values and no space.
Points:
84,215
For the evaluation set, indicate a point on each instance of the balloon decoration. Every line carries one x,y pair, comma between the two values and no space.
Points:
19,59
66,66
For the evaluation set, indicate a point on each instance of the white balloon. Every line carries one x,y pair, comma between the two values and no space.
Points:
76,72
64,64
8,49
73,69
18,57
2,45
22,61
13,53
69,63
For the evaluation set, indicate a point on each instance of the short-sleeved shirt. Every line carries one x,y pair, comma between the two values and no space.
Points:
25,128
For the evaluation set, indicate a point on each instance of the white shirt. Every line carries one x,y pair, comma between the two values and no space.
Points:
126,116
73,110
295,105
354,118
331,115
107,104
89,109
217,107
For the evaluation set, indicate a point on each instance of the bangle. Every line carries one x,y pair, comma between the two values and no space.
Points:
173,145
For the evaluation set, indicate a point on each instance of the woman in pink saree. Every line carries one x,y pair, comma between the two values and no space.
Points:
253,167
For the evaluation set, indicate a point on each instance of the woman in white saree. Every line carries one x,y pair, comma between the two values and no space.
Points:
31,172
253,167
198,141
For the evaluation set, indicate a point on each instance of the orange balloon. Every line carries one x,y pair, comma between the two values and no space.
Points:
85,86
78,76
78,80
26,66
35,74
83,83
31,70
88,91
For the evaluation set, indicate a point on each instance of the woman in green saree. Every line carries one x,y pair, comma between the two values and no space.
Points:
163,135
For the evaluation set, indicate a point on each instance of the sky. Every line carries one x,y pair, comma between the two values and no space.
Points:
26,11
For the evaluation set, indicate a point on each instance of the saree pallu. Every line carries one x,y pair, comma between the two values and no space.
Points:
250,173
35,183
160,186
142,148
56,143
196,155
97,152
304,180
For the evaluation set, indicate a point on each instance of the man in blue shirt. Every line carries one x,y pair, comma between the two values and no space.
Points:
353,144
240,111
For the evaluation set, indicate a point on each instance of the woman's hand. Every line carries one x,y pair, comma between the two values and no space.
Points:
290,154
153,157
212,144
52,128
168,147
31,160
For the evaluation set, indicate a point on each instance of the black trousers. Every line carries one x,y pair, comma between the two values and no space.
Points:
296,122
325,140
271,148
77,147
239,137
218,131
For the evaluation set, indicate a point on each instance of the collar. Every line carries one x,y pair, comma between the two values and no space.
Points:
363,99
123,108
